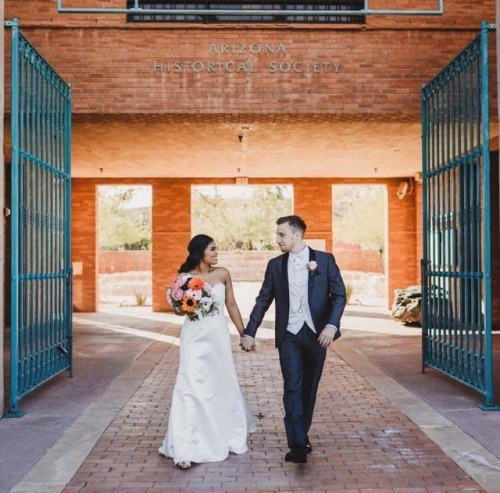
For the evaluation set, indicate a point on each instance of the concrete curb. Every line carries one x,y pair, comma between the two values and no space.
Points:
54,470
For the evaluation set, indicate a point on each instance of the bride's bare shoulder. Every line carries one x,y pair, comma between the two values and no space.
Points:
221,274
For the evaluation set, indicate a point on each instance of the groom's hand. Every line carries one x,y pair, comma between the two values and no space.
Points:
327,335
247,343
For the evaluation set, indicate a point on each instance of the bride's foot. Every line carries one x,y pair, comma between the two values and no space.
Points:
183,464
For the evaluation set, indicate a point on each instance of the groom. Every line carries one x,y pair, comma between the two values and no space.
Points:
309,296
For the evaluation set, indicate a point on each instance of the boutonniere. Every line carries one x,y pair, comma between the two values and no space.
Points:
312,267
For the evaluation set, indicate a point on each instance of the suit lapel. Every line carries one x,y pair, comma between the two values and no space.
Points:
312,256
284,277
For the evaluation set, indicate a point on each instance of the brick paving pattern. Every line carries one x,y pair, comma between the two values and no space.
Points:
362,443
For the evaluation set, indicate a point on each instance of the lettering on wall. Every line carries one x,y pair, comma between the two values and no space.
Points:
250,65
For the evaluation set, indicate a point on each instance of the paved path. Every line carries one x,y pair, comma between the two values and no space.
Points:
370,434
362,442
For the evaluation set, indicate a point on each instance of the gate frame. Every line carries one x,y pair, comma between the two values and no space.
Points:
14,411
488,394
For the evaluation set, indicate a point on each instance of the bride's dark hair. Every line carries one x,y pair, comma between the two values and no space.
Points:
196,249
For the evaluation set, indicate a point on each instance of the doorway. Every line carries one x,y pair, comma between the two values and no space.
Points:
360,242
124,246
242,220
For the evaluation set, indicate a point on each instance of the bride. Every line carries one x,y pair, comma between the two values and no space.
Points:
209,416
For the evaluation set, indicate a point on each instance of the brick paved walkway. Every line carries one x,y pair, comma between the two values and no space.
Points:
362,443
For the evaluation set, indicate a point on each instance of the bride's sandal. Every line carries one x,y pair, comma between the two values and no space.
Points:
183,464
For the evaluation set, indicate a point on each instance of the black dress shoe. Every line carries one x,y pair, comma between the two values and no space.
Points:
296,456
309,448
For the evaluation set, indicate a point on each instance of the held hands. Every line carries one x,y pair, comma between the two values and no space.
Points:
247,343
327,335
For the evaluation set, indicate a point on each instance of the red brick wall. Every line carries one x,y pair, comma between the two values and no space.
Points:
358,260
111,261
457,13
172,229
171,234
402,250
84,244
382,64
245,265
313,202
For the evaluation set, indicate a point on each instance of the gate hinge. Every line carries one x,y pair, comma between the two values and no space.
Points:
6,212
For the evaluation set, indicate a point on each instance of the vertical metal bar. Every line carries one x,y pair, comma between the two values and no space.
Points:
42,243
469,207
448,230
35,192
425,248
22,243
52,356
464,220
441,216
438,216
58,292
14,366
479,228
485,123
474,200
67,229
27,236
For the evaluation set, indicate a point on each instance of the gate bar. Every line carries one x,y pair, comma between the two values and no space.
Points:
14,411
139,10
489,397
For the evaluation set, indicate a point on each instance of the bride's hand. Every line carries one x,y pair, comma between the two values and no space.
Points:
247,343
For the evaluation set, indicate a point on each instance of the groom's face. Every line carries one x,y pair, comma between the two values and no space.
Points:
286,237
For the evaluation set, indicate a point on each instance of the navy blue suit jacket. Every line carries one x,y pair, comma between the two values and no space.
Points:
327,297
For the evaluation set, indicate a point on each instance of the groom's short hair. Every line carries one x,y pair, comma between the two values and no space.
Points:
296,223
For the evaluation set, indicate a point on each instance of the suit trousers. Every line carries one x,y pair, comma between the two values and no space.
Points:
302,360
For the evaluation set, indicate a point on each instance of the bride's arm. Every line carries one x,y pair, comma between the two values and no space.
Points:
231,305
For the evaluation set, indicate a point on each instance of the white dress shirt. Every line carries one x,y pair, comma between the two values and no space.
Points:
298,285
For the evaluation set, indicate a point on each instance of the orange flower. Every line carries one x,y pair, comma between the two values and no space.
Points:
196,283
189,304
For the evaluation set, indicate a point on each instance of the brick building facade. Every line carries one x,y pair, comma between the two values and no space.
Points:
172,105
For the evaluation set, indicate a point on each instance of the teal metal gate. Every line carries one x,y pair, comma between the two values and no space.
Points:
41,275
456,264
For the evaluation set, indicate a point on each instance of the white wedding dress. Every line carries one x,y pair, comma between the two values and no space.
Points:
209,416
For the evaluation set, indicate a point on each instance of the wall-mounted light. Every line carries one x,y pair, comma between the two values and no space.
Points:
402,190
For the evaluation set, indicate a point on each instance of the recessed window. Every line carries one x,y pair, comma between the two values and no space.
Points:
335,7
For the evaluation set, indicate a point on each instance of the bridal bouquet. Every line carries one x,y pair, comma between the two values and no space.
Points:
192,296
